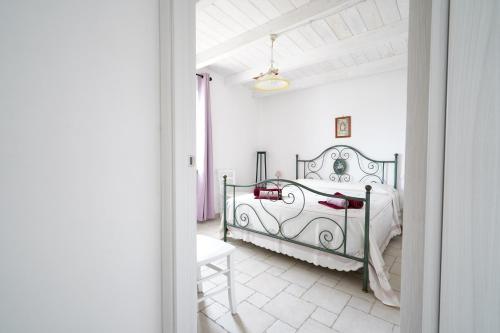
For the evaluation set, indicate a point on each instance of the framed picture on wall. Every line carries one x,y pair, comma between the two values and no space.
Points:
343,127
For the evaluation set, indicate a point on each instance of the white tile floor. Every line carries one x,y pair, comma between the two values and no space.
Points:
277,293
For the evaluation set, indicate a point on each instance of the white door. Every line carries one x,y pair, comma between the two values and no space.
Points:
470,287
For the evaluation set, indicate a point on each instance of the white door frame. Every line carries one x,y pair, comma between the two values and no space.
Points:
428,35
424,174
178,182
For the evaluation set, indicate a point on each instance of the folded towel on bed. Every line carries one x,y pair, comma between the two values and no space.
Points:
267,193
257,190
325,203
260,186
340,203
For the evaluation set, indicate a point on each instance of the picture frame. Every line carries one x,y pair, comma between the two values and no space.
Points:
343,127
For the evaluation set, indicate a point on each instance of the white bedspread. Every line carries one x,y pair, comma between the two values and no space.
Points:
266,216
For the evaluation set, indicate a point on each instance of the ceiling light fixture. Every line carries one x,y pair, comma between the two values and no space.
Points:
271,80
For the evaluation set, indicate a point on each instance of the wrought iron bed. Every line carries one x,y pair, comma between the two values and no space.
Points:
339,163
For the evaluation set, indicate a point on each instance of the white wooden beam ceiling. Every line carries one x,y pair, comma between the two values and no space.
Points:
294,18
319,40
348,46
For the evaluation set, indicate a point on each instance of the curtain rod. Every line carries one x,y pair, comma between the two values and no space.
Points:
201,75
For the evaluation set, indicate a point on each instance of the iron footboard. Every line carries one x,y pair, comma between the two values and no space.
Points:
293,193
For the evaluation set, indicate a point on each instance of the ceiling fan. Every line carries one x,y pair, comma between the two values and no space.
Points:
271,80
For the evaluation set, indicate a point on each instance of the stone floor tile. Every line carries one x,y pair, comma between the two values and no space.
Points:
281,261
289,309
395,281
295,290
203,304
323,316
206,325
251,267
280,327
360,304
298,274
242,277
312,326
295,305
388,313
353,286
215,310
329,280
354,321
249,319
258,299
396,268
275,271
328,298
267,284
242,293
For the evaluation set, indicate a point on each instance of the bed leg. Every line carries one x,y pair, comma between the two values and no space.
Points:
366,254
365,276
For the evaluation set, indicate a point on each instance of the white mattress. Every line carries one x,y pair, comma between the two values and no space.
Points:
384,224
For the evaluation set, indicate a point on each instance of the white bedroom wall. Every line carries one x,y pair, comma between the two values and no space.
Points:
302,122
79,172
235,117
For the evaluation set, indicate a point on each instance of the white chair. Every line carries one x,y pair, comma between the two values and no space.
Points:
210,250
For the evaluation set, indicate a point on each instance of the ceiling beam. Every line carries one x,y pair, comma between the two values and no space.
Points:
202,4
371,68
284,22
338,49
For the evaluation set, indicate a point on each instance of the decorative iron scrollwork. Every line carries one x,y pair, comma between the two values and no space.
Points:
339,166
335,162
293,194
331,235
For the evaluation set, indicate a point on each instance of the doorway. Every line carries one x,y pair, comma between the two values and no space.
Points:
327,55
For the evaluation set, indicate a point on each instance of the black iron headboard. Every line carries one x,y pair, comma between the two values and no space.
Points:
342,163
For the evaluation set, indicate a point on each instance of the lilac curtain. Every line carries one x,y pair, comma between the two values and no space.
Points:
205,181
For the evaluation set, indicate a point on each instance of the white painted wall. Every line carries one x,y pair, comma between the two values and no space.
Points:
235,116
303,122
79,171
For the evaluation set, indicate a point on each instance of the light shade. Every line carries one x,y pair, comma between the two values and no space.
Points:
271,82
